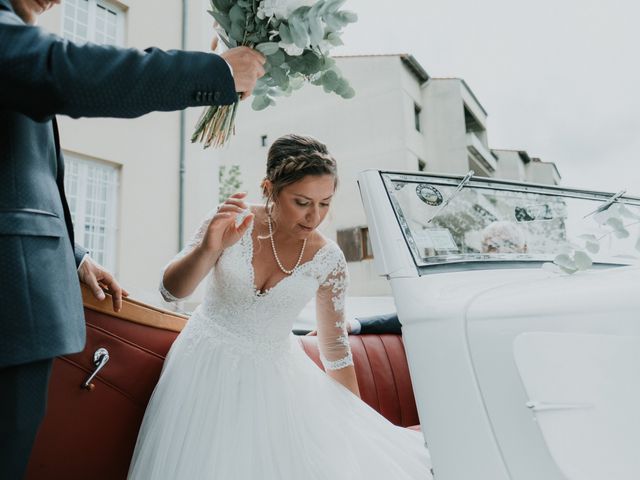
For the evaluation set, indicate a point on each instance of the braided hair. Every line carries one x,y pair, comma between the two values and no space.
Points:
293,157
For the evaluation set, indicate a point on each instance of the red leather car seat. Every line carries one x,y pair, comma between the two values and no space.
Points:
383,374
92,433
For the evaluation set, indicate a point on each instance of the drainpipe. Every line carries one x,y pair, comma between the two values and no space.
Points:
182,168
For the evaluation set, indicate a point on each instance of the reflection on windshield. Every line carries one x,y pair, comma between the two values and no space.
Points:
485,221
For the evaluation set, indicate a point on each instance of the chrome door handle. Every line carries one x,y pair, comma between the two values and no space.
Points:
100,359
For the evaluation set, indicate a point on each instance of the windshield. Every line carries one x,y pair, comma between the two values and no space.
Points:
498,221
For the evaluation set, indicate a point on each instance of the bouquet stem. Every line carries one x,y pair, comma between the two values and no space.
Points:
216,125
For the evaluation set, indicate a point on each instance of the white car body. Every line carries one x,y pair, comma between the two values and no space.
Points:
519,372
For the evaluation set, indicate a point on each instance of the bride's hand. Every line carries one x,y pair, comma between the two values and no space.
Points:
222,231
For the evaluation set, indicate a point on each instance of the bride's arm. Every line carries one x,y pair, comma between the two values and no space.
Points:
333,340
218,231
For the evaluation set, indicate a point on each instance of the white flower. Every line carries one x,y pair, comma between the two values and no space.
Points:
291,49
281,9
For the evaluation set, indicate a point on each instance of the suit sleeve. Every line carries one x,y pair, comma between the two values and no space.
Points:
42,75
79,253
380,324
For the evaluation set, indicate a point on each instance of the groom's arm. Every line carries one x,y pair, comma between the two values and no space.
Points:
42,75
377,324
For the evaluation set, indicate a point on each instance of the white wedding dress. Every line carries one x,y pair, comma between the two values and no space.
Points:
238,399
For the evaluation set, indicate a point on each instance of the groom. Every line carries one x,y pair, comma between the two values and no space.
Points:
41,75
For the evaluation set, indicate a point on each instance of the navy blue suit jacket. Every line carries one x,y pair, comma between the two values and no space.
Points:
42,75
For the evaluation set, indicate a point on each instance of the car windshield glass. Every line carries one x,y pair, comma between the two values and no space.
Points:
501,221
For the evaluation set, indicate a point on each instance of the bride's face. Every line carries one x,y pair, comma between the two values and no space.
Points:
302,206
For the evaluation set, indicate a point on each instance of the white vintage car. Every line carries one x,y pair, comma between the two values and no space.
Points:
520,372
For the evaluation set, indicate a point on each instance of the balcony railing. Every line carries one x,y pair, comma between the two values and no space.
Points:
481,153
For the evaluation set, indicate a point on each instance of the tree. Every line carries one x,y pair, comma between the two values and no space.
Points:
229,180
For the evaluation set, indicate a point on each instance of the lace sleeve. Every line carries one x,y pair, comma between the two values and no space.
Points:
193,242
333,340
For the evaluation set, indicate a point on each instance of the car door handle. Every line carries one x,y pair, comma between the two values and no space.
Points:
100,359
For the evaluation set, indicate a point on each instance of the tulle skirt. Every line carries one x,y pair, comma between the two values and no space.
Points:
219,415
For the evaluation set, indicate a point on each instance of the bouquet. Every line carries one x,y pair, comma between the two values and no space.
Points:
295,36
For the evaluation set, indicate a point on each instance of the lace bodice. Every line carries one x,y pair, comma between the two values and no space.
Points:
258,323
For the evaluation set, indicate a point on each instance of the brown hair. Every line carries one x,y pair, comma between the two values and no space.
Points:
293,157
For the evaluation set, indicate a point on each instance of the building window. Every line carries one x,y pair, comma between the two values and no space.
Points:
94,21
422,166
416,116
355,243
471,123
92,192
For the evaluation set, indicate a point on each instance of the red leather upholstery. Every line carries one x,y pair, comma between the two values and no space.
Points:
91,434
383,375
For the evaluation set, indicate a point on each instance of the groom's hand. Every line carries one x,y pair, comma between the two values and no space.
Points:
98,280
247,65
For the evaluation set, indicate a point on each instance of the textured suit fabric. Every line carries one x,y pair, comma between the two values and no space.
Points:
380,324
22,407
42,75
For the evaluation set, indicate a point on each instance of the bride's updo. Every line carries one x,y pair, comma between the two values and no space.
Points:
293,157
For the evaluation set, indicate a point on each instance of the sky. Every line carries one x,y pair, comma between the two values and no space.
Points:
559,78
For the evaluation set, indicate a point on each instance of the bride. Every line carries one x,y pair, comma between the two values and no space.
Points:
238,399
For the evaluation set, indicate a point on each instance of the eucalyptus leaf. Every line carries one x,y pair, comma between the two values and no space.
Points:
222,19
285,33
350,17
336,21
299,32
331,6
582,260
296,82
237,15
268,48
334,39
316,29
588,237
615,223
260,102
350,93
237,32
592,247
280,76
624,211
277,59
565,262
316,80
330,81
222,5
622,233
341,86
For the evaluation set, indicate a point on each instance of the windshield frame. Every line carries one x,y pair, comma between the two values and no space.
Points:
487,261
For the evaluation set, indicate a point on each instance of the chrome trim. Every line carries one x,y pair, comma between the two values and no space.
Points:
100,359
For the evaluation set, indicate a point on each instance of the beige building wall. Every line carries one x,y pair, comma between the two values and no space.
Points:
147,150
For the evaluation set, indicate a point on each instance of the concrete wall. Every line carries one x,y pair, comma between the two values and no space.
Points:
445,133
510,165
542,172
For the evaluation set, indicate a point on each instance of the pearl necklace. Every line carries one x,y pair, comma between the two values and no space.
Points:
275,254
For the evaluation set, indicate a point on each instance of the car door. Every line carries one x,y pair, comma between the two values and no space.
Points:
90,432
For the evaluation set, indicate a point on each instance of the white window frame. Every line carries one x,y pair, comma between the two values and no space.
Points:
91,23
79,171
